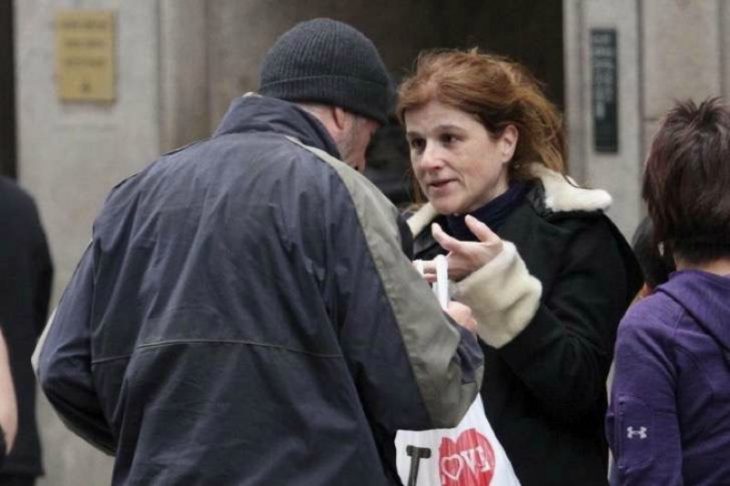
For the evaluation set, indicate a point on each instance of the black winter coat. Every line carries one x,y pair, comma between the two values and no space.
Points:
544,388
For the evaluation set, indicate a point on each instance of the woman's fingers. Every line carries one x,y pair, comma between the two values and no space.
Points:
427,269
462,315
447,242
465,257
480,230
488,238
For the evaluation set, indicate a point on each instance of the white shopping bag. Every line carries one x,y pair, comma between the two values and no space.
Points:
467,455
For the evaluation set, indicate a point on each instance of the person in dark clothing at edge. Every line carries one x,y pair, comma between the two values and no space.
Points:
245,312
26,274
669,418
8,404
546,273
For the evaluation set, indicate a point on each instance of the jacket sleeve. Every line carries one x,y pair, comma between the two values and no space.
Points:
3,448
64,360
558,341
413,367
43,277
642,425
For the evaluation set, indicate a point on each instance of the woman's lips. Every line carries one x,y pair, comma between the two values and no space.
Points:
440,186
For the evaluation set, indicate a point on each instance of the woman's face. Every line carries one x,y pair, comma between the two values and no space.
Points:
459,165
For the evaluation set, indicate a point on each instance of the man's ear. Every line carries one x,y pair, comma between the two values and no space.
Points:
341,118
508,142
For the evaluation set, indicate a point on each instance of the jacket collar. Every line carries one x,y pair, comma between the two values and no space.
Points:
553,194
255,113
562,196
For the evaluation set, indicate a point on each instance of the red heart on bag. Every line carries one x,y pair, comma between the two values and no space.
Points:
467,462
451,466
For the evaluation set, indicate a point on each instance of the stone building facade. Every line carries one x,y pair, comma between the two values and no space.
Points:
614,67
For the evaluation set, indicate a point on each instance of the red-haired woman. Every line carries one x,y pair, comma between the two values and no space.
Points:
545,271
669,419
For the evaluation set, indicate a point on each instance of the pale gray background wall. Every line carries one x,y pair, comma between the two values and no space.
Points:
71,154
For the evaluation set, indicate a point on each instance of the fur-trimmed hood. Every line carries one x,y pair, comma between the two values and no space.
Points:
558,196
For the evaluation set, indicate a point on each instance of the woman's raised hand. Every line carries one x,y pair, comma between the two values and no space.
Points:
465,257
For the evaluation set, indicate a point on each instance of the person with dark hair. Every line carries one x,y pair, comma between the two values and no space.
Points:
546,273
26,274
669,418
245,312
655,266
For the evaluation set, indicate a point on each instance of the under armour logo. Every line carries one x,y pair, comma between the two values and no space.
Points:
631,433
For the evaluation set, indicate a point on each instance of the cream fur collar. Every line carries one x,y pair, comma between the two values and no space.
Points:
560,196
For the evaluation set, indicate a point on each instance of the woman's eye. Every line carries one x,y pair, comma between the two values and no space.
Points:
417,144
447,139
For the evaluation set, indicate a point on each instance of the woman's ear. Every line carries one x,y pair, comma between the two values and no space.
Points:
508,142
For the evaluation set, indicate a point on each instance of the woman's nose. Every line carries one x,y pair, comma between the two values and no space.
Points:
431,157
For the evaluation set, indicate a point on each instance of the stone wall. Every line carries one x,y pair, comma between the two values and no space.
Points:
70,156
668,50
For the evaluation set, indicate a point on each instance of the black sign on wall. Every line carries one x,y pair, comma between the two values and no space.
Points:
604,90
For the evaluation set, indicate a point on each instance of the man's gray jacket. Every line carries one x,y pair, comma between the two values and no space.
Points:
245,314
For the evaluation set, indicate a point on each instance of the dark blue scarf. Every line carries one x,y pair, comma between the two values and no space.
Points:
493,214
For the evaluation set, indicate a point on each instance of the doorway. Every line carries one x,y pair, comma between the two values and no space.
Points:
524,30
8,151
527,31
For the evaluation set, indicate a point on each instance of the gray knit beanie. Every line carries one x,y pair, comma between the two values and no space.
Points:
327,61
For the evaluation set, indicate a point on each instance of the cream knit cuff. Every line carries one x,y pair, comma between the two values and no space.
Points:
503,296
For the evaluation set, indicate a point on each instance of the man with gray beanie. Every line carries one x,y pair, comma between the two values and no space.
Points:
245,313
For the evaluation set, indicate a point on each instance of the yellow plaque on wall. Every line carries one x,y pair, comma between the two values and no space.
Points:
85,67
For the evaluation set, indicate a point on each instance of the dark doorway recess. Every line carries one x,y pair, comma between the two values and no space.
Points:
526,31
7,92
